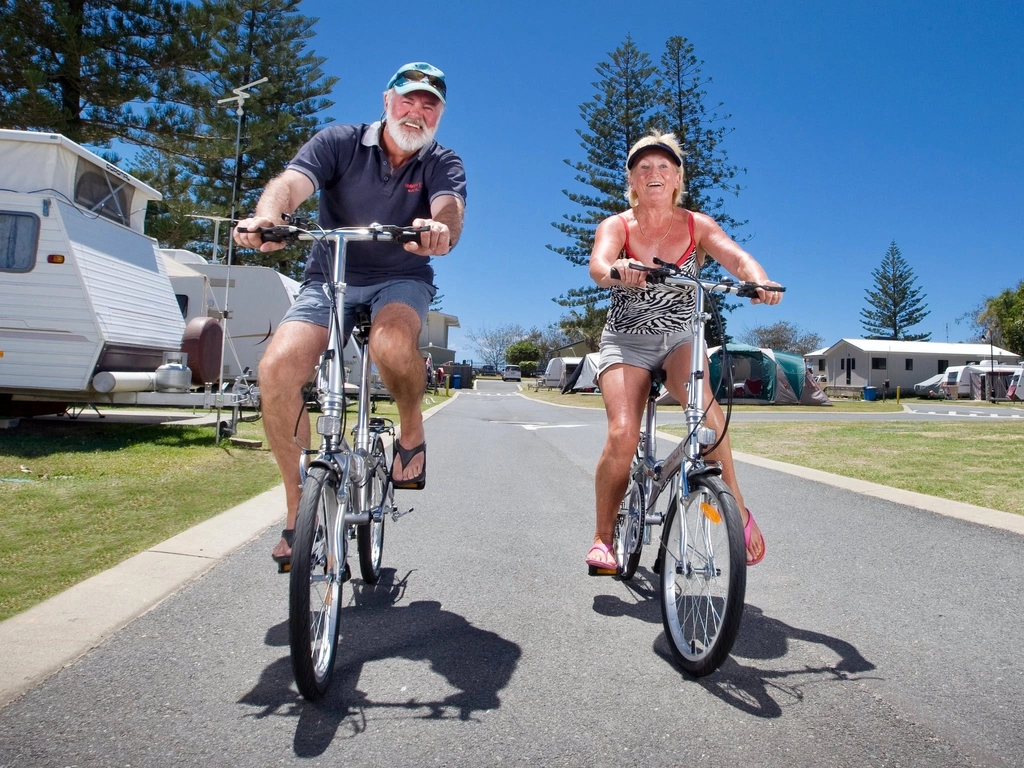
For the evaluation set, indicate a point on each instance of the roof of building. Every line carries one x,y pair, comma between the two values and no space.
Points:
921,348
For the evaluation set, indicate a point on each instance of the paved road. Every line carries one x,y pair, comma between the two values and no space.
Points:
875,634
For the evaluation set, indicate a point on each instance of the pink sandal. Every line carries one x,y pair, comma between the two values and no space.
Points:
600,566
746,540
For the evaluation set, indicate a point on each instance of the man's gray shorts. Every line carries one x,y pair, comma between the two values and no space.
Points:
313,306
639,350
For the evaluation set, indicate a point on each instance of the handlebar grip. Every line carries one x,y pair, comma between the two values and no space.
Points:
749,290
272,234
614,274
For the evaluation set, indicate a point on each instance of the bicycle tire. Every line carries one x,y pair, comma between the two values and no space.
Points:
370,536
314,599
628,536
702,589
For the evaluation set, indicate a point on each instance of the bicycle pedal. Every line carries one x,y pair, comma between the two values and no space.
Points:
593,570
284,567
346,574
395,514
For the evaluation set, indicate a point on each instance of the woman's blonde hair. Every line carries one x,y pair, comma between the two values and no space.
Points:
666,142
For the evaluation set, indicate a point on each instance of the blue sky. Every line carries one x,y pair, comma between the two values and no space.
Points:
858,123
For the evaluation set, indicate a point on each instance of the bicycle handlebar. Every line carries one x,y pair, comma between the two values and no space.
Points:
669,273
290,233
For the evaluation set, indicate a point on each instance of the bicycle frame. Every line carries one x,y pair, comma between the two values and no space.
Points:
687,455
352,463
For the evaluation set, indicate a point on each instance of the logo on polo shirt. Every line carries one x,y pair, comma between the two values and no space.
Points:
415,186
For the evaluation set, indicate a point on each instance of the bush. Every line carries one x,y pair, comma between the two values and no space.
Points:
528,367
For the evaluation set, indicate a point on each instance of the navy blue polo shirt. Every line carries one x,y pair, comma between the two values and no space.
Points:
358,186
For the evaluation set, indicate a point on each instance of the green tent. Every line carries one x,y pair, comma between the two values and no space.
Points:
763,376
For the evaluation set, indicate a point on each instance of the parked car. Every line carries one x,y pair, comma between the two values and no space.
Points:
488,370
511,373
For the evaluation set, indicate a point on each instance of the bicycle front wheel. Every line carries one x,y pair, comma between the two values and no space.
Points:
318,563
370,536
703,575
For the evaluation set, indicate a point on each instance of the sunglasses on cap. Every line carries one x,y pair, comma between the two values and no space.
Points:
415,76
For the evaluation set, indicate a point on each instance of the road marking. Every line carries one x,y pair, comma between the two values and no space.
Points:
550,426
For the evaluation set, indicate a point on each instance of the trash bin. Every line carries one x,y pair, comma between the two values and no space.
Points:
457,381
870,393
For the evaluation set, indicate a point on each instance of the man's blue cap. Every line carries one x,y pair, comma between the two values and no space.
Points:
419,76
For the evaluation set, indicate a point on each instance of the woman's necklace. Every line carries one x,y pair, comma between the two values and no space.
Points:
670,225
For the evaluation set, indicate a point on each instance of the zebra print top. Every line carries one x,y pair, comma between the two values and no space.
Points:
653,309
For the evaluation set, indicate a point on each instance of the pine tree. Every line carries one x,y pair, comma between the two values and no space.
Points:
88,68
251,39
633,97
896,304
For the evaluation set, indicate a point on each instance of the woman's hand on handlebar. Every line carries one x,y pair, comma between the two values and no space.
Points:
768,297
248,235
435,241
622,273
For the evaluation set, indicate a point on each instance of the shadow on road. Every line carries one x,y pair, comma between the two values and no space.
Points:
761,638
477,663
761,692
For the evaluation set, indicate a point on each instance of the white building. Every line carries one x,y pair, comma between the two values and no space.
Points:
849,365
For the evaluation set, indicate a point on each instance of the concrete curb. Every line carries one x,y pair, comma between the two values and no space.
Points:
53,634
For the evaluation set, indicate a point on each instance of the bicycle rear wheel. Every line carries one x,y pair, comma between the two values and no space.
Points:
370,536
318,563
703,575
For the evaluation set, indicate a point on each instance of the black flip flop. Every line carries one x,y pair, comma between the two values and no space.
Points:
408,454
284,562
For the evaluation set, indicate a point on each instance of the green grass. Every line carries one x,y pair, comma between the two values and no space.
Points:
960,460
81,496
967,461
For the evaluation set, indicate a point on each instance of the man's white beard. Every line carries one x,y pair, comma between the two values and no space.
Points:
410,141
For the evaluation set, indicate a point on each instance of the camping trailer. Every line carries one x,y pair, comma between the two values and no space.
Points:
559,371
87,311
82,289
256,298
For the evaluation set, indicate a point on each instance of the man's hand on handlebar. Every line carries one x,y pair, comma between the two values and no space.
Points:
253,238
436,241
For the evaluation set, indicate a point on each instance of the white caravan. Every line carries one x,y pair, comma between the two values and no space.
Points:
256,299
87,312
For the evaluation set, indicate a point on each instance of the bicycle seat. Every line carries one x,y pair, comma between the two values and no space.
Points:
363,322
657,380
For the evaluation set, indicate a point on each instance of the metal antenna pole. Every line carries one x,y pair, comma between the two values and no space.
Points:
239,99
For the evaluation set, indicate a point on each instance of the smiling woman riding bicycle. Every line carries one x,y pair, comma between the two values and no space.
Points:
648,325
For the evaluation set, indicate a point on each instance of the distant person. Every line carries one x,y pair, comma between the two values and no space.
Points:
648,326
391,172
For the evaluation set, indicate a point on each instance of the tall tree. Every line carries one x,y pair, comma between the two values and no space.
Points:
89,69
896,304
1003,316
634,96
492,343
251,39
784,337
586,325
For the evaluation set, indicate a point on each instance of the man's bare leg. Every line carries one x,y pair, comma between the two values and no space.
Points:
394,347
286,367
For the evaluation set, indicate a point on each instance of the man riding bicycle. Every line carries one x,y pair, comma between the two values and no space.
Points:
392,172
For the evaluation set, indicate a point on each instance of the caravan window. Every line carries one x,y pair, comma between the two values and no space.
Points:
103,192
19,239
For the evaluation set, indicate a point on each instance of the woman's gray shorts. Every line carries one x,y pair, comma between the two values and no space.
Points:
312,305
639,350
